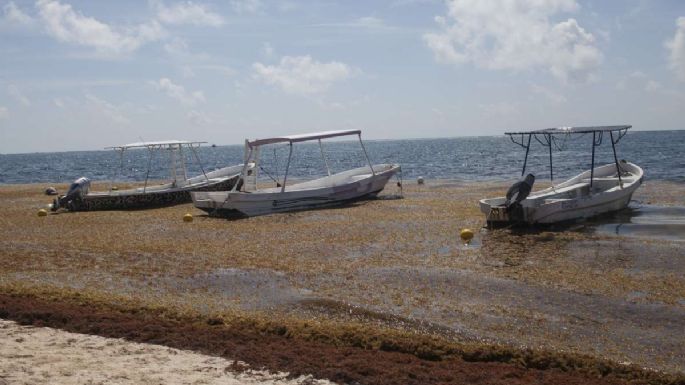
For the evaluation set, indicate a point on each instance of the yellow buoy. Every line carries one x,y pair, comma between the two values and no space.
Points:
466,235
188,217
42,212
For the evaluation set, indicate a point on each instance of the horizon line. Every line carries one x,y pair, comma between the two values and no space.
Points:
367,140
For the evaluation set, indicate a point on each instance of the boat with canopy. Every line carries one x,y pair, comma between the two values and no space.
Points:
246,199
599,190
174,191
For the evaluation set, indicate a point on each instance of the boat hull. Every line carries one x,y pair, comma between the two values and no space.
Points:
146,200
248,204
570,201
81,199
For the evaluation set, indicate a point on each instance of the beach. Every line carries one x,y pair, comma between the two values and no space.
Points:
35,355
385,289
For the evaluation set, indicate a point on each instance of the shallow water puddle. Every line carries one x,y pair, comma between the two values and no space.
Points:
645,221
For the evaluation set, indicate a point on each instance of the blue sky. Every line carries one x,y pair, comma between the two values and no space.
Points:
79,75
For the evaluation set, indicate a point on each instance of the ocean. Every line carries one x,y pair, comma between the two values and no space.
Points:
485,158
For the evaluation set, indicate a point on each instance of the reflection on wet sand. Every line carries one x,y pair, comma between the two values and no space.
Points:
645,221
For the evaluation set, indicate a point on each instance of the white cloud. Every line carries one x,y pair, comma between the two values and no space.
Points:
4,112
302,74
639,82
288,6
634,77
677,49
370,22
107,109
549,94
190,71
17,95
65,24
638,75
404,3
198,118
177,46
653,86
14,15
187,72
365,23
331,106
500,109
247,6
188,13
179,92
59,103
222,69
267,50
515,35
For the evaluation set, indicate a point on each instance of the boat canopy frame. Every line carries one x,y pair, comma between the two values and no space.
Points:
549,138
252,146
151,147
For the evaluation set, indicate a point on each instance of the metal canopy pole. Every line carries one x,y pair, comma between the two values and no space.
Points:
525,160
149,162
551,169
324,158
182,158
287,166
246,158
121,169
618,169
366,155
592,166
199,162
172,164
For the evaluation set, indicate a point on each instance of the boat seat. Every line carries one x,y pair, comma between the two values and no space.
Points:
565,190
604,183
355,178
557,200
572,191
602,179
577,186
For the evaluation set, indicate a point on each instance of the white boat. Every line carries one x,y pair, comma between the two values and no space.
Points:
596,191
176,191
246,199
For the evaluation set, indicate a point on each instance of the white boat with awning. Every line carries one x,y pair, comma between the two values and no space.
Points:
174,191
596,191
246,199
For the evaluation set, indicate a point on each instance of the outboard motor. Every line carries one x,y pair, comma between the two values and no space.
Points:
519,191
77,190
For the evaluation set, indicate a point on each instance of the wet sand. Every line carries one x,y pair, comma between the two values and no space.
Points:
388,264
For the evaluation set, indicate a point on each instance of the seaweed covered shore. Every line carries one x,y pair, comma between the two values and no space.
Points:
382,291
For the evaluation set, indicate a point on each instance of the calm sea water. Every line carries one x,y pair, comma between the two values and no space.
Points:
659,153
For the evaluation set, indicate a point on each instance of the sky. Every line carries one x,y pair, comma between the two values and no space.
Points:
84,75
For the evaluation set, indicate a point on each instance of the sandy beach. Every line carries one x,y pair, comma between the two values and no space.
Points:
39,355
367,287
